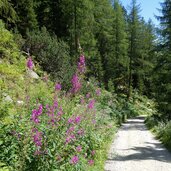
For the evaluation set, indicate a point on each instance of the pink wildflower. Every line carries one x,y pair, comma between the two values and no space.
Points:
58,86
71,129
80,132
37,138
81,64
91,104
70,138
76,85
74,160
37,152
82,101
79,148
78,119
91,162
98,92
88,95
60,112
30,63
36,114
93,152
55,104
70,120
94,121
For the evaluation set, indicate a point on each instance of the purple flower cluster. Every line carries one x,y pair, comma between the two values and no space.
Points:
74,160
70,138
82,101
81,64
37,138
58,87
36,113
98,92
91,162
30,63
80,132
75,120
91,104
79,148
76,85
93,152
88,95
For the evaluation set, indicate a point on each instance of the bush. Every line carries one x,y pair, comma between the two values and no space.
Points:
52,54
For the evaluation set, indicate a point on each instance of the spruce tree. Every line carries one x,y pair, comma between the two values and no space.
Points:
103,15
26,14
134,24
119,60
8,13
163,76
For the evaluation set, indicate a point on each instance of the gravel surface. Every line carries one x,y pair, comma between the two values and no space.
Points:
136,149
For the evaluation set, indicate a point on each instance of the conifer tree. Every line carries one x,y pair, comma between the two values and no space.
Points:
118,63
134,25
163,73
7,13
26,14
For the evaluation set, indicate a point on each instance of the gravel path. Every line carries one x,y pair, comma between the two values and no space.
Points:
136,149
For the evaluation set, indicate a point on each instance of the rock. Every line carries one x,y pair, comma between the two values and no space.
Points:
4,94
20,102
8,99
32,74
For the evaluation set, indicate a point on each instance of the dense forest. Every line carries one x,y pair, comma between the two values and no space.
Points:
124,55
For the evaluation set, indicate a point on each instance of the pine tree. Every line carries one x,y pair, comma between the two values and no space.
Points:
134,25
103,15
26,14
119,61
8,13
146,59
165,21
163,73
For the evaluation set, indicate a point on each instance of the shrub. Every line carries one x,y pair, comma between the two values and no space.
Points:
52,54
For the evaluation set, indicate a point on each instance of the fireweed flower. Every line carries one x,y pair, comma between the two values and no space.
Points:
36,114
98,92
70,138
80,132
76,85
60,112
81,64
71,129
70,120
37,138
93,152
77,119
30,63
82,101
91,104
37,152
91,162
55,104
88,95
74,160
93,121
79,148
58,87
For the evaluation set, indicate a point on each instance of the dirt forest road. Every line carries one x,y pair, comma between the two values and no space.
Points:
136,149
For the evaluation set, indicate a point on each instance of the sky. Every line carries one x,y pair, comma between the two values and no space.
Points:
148,7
